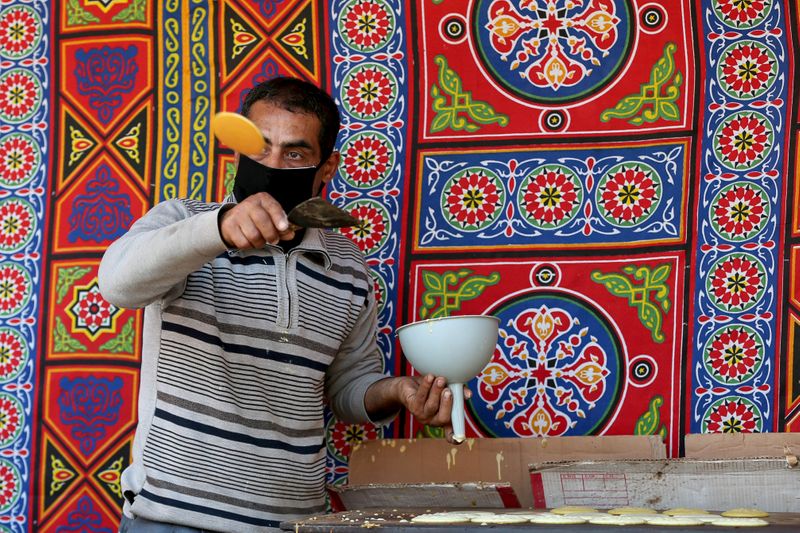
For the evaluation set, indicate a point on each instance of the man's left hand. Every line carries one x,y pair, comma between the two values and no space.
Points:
427,398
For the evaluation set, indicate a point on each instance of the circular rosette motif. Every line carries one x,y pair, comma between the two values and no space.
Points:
736,282
343,437
20,95
15,289
14,354
553,50
550,196
642,371
628,193
652,18
738,14
472,199
747,69
17,224
366,25
373,228
556,370
10,485
740,211
19,160
12,419
734,354
367,159
20,31
732,414
369,91
743,140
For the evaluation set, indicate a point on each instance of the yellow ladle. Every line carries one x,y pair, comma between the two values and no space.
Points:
238,133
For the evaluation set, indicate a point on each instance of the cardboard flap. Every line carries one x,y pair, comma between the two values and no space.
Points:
731,445
490,460
423,496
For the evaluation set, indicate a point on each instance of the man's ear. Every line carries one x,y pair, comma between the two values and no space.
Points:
330,166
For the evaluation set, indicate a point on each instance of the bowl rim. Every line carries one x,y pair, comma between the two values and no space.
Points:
443,318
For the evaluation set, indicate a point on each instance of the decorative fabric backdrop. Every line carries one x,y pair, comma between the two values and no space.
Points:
613,179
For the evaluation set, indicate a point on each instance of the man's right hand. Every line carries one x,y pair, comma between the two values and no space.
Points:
255,221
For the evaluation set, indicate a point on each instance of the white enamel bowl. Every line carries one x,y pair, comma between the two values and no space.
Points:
456,348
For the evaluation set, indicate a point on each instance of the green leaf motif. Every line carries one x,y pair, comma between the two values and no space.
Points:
446,293
452,114
122,343
615,284
656,99
77,16
67,278
649,422
230,176
63,341
431,432
135,12
650,290
651,319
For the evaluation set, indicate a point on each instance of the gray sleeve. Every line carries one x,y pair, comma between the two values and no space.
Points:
358,365
157,254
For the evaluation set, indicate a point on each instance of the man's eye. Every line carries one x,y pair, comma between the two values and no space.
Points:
294,156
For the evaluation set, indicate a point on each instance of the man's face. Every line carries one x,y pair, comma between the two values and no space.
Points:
292,141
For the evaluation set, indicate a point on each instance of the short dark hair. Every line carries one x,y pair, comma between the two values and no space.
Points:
299,96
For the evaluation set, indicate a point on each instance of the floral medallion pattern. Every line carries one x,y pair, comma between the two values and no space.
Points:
15,289
369,91
550,196
20,31
367,25
91,313
747,69
12,419
554,50
17,224
737,349
20,95
26,129
19,160
556,360
742,15
628,193
473,199
732,414
736,282
343,437
367,159
10,485
744,140
373,228
734,354
14,354
739,211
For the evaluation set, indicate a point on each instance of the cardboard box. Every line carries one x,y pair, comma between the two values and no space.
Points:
730,445
494,461
423,496
769,484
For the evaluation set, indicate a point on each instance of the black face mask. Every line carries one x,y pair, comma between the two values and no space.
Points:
289,186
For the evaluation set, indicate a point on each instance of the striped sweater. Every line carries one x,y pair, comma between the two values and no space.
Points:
240,351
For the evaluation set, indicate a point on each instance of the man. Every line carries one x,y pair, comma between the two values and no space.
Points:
250,326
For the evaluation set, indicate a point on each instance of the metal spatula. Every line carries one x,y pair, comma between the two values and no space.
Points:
318,213
240,134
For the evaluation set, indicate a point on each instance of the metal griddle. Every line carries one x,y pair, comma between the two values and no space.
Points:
392,520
